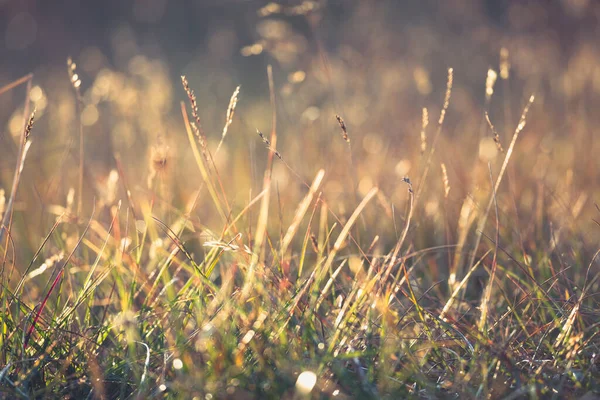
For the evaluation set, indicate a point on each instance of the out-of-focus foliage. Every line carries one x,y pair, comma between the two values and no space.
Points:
381,68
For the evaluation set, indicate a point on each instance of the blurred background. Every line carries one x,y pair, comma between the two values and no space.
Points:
375,63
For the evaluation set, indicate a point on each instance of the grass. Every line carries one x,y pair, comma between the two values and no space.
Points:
447,284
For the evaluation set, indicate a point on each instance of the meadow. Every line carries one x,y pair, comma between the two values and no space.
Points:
358,200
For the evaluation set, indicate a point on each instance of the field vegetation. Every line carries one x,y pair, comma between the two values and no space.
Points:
391,206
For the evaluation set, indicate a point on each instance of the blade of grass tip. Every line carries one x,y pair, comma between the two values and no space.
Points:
145,373
261,225
488,290
41,308
24,144
300,212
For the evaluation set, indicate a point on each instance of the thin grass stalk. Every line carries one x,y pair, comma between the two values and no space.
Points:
201,165
438,133
261,225
509,151
488,290
458,288
76,83
345,231
16,83
41,308
24,144
300,212
400,242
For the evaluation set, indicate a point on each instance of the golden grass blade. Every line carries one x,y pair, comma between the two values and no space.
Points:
438,133
328,285
301,211
468,213
485,301
346,229
200,163
458,288
24,144
509,151
261,226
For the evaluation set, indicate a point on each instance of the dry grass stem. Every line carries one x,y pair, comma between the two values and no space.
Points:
76,83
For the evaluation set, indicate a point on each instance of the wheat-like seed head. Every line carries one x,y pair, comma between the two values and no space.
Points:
445,180
448,94
231,110
197,126
29,125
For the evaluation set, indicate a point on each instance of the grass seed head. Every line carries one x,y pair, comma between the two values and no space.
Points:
445,180
343,126
29,124
231,110
424,123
